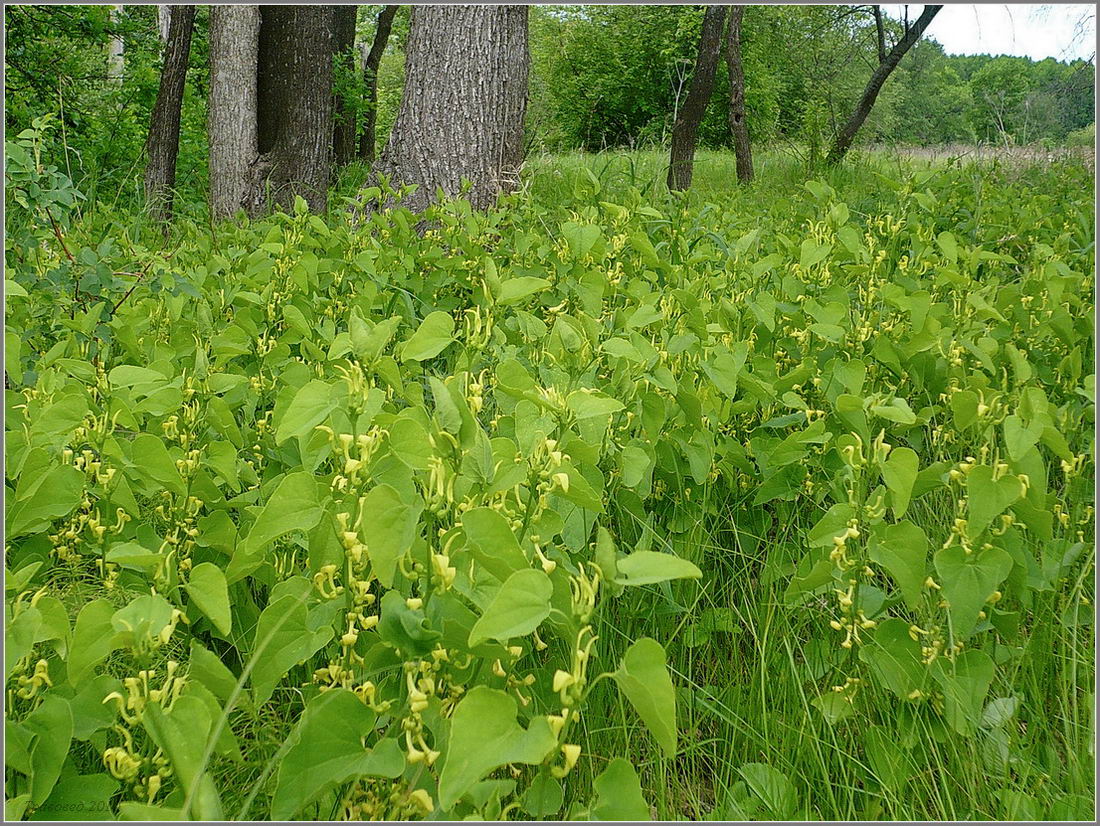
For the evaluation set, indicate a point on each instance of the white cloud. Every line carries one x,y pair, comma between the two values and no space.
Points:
1062,31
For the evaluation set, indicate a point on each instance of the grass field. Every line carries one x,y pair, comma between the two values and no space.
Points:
828,443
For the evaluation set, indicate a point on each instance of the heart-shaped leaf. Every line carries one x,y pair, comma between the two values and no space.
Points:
968,580
522,602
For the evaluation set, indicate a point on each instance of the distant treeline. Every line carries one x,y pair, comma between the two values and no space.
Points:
611,76
601,77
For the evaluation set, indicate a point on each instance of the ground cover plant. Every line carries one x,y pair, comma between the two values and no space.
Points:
605,503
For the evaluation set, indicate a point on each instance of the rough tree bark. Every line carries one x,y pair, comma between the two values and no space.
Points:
294,116
163,142
231,125
164,17
343,131
880,33
370,77
739,129
685,131
848,132
461,113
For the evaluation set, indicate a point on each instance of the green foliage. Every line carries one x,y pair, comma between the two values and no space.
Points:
345,520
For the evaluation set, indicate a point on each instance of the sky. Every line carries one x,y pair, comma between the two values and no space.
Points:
1062,31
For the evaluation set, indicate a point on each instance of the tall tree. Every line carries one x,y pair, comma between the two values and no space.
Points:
739,129
461,113
885,67
231,127
685,131
371,61
116,48
343,131
164,16
294,115
162,145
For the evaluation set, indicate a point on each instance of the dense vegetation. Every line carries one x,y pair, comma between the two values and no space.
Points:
763,501
304,514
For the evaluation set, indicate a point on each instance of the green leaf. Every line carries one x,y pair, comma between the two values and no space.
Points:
282,640
518,608
515,290
899,472
965,684
813,253
79,797
133,555
987,498
208,589
388,523
129,810
205,668
293,506
309,408
635,465
582,238
369,345
182,735
151,459
52,724
484,736
820,573
141,622
834,706
20,635
406,629
327,748
964,408
13,289
949,246
832,524
90,713
619,793
902,549
1018,438
643,678
492,542
94,638
589,404
896,410
772,787
55,494
895,658
725,366
645,567
409,442
431,338
544,796
968,580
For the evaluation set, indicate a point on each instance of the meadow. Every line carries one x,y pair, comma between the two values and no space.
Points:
765,502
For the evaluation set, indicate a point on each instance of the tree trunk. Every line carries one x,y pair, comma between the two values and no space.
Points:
164,17
739,129
343,133
685,131
848,133
162,145
231,125
294,116
116,59
880,33
461,114
370,78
